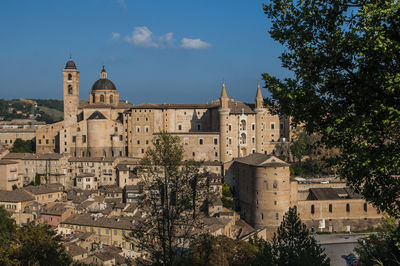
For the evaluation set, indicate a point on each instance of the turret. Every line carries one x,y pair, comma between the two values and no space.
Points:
223,126
259,100
224,97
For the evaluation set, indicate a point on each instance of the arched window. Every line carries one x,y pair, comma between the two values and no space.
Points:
69,77
102,98
111,99
70,89
243,125
243,138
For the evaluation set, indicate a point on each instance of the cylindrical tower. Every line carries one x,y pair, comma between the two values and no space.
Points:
223,126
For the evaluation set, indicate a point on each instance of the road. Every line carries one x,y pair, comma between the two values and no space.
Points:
337,245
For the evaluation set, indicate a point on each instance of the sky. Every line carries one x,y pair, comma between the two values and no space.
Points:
155,51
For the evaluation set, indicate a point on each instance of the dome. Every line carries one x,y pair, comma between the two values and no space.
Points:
103,84
70,65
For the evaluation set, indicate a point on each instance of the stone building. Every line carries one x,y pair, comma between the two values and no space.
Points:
105,127
265,191
24,129
9,178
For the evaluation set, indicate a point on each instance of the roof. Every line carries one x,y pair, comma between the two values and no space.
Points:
70,64
74,250
42,189
5,162
119,105
17,195
96,115
323,194
241,107
103,84
33,156
263,160
176,106
86,219
111,188
56,209
91,159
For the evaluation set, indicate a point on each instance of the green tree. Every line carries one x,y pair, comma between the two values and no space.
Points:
264,255
344,56
226,191
38,245
221,251
21,146
173,192
382,248
37,179
293,245
7,229
299,146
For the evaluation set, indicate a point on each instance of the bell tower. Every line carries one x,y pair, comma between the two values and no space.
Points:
71,93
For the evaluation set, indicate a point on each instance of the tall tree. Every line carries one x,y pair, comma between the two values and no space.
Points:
299,146
345,58
293,245
173,192
7,229
38,245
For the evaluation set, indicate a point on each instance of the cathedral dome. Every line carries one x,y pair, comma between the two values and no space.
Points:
70,65
103,84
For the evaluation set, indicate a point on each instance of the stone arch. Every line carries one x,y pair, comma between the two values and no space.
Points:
243,138
243,124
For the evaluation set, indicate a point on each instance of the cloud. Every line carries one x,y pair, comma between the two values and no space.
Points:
143,37
115,36
187,43
122,3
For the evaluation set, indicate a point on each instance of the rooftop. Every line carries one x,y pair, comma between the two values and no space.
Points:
17,195
263,160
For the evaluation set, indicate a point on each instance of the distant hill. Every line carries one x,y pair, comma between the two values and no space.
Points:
50,111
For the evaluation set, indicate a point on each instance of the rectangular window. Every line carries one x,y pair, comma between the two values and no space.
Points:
201,141
253,126
73,139
84,139
272,126
312,209
215,141
330,207
179,127
230,127
276,216
347,207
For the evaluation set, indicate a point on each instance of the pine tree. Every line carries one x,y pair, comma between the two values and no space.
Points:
293,245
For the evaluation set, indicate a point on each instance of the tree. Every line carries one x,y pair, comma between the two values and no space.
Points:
21,146
293,245
221,251
38,245
299,146
345,58
382,248
173,192
7,229
264,252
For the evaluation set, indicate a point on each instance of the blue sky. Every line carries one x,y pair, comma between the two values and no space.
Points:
155,51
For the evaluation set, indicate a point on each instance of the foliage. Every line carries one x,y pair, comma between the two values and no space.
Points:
7,229
53,104
173,192
293,245
310,168
221,251
345,57
226,191
264,255
38,245
21,146
37,179
228,203
299,146
382,248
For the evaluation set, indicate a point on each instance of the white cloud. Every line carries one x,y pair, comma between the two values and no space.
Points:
142,37
187,43
122,3
115,36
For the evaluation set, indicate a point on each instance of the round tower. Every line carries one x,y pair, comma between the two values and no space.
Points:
223,123
260,112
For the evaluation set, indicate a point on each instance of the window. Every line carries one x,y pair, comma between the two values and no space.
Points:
147,142
102,98
243,125
73,139
147,129
365,207
138,142
230,127
47,141
230,140
276,216
312,209
275,202
137,129
272,126
275,185
330,207
347,207
193,153
120,137
83,138
198,127
201,141
253,126
243,138
111,99
69,77
253,140
262,216
142,150
69,89
179,127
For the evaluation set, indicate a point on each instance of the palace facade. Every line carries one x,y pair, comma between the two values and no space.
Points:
105,127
